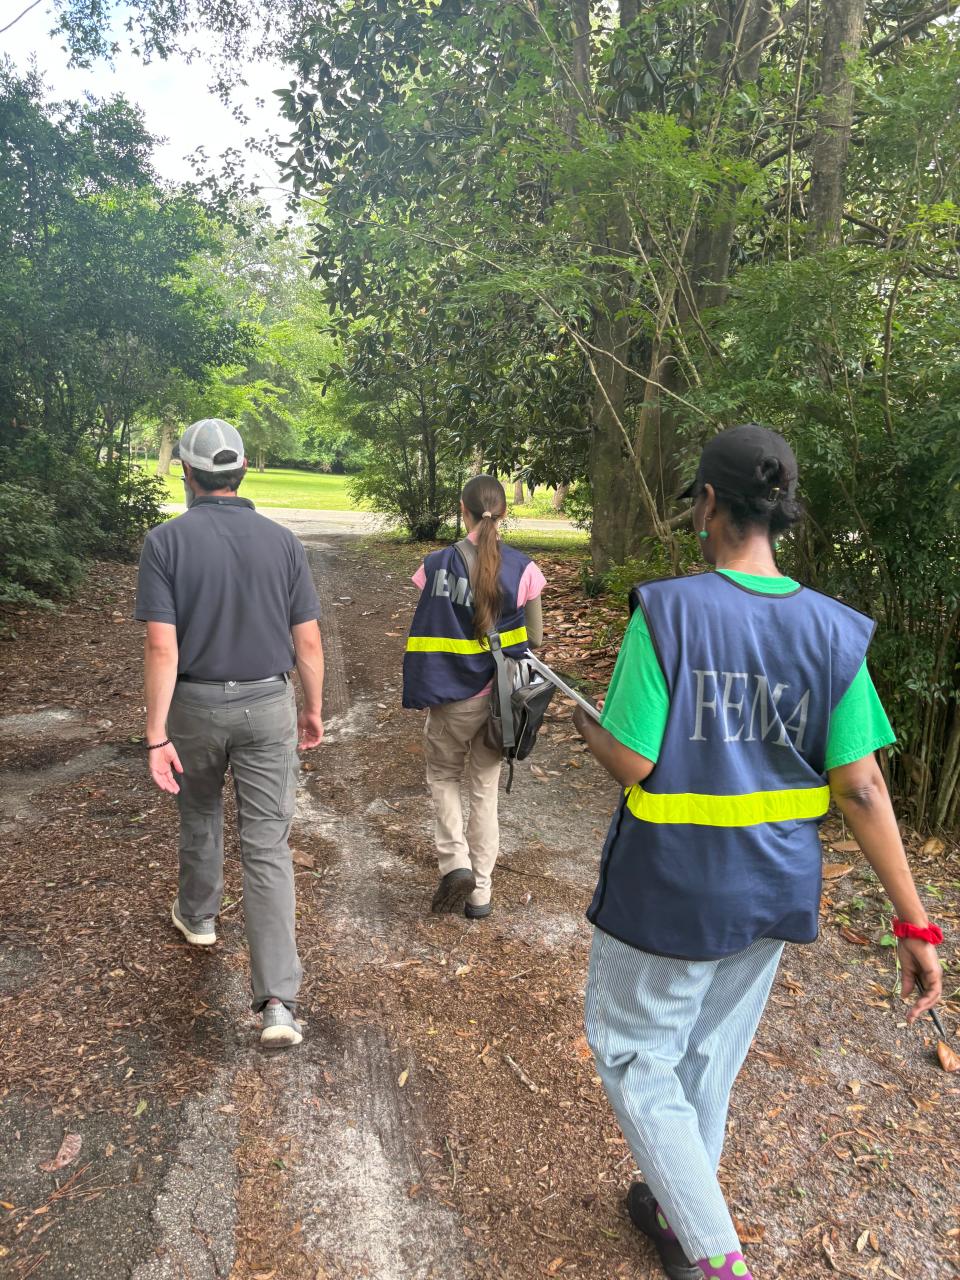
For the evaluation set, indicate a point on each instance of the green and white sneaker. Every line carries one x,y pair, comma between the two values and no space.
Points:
281,1030
201,934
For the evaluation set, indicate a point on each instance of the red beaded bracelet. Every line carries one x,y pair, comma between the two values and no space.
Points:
927,933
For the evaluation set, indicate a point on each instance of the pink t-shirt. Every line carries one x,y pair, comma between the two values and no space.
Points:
531,585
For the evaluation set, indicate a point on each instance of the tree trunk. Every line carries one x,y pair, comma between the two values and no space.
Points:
261,460
842,35
560,496
616,530
166,448
518,493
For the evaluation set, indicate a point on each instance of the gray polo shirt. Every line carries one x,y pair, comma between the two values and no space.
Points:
233,583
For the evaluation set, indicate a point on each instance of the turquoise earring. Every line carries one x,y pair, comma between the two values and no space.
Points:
703,534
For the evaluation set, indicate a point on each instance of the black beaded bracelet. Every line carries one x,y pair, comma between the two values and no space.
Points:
156,746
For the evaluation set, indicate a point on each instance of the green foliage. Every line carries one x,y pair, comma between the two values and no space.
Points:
410,475
81,511
656,562
876,436
35,560
101,313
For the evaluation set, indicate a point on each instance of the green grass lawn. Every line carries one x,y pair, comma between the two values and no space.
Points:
311,491
305,490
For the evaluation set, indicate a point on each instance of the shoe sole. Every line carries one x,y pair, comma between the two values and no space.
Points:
453,896
280,1037
477,913
195,939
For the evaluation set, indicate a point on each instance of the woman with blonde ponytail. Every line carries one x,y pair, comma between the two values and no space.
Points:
469,591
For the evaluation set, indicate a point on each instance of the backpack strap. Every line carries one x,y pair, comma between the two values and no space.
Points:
505,699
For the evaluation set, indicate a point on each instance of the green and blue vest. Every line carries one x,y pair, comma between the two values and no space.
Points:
719,847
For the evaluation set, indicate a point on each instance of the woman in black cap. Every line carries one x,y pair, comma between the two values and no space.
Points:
740,705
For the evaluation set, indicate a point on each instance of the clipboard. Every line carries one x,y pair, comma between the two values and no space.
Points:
549,674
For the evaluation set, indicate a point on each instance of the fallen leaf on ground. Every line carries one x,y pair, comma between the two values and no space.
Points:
845,846
851,935
403,1077
834,870
933,847
862,1241
302,859
949,1059
749,1233
828,1250
69,1150
582,1049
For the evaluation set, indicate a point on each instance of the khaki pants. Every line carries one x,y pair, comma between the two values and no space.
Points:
455,752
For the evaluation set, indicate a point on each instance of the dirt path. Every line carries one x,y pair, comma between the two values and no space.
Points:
442,1119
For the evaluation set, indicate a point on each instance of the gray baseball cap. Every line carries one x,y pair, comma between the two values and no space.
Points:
210,439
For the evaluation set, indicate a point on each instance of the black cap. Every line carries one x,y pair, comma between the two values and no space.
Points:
732,462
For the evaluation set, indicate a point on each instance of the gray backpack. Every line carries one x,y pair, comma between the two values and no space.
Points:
518,702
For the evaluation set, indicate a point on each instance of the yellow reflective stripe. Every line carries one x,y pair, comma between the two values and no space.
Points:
446,644
728,811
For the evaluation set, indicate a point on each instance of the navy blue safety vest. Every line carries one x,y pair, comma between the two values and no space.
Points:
444,662
718,847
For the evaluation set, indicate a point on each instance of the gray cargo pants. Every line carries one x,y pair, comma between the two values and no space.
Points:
253,729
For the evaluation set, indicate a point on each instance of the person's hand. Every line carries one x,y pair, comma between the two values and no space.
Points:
309,729
581,720
163,762
919,960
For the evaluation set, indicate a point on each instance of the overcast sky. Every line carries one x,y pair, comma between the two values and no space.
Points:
173,95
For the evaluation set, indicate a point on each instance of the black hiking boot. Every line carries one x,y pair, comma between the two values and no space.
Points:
642,1208
453,890
477,913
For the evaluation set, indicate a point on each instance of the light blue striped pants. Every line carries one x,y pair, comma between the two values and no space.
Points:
669,1037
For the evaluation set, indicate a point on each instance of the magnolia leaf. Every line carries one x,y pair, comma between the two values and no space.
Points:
949,1059
834,870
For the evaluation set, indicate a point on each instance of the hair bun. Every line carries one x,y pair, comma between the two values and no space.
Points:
771,472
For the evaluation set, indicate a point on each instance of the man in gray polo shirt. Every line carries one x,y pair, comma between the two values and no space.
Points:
230,605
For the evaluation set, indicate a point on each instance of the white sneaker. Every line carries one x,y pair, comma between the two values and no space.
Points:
204,935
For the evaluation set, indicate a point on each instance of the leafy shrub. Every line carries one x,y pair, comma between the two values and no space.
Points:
410,480
57,511
35,560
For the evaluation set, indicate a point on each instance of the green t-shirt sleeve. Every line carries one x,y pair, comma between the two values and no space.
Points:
859,724
637,703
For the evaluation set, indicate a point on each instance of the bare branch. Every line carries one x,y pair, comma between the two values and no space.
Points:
915,24
19,16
